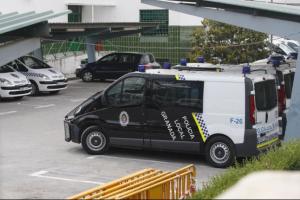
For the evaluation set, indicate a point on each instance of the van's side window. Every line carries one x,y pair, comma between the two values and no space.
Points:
127,92
114,94
178,93
133,91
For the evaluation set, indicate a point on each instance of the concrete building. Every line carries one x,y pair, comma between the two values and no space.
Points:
171,41
96,10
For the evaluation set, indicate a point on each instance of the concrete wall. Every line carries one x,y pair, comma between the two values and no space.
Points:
67,65
128,11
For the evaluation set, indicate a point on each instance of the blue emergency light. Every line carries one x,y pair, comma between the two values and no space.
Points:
141,68
166,65
276,60
200,59
246,69
183,62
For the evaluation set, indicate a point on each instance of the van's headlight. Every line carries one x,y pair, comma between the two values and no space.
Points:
5,82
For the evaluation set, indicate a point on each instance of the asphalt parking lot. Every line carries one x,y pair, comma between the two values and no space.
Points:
36,162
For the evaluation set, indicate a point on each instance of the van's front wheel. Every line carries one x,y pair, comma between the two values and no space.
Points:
220,152
94,141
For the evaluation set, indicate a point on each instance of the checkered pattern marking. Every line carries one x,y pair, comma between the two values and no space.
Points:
199,120
32,74
180,77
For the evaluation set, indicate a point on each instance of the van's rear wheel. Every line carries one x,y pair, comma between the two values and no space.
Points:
94,141
220,152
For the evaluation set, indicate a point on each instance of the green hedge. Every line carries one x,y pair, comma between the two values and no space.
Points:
285,158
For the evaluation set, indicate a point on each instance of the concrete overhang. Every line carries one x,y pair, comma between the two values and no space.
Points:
63,31
105,3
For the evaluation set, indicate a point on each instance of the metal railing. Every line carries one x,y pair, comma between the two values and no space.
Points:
60,49
147,184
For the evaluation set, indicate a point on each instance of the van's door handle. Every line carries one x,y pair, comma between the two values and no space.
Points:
267,117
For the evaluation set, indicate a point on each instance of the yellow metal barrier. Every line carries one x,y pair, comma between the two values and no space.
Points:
146,184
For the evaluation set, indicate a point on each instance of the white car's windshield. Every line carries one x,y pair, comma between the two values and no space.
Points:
6,69
34,63
286,49
293,46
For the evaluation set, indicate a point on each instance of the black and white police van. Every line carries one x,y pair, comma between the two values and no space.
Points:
283,70
13,84
223,116
42,76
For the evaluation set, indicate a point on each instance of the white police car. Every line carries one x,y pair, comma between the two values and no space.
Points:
13,84
42,76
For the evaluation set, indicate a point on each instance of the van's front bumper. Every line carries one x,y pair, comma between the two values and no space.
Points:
72,132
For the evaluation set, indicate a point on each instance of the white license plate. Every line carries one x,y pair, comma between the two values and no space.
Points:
24,88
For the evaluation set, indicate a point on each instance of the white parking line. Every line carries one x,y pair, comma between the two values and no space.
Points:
91,157
129,159
41,174
8,113
44,106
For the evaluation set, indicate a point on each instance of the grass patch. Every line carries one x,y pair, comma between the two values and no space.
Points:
286,157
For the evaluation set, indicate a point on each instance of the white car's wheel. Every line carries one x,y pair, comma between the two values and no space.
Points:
35,89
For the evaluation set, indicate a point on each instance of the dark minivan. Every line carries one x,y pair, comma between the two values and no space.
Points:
115,65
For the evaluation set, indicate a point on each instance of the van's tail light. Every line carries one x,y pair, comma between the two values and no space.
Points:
252,110
281,99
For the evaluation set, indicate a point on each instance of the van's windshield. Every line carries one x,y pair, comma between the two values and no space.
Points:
288,81
6,69
265,95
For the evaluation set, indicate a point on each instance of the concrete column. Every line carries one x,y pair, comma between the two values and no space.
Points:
38,53
293,115
91,52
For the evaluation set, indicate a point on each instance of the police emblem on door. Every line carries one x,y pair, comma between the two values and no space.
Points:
124,118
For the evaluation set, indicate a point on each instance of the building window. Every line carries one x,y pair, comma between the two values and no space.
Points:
76,15
161,16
